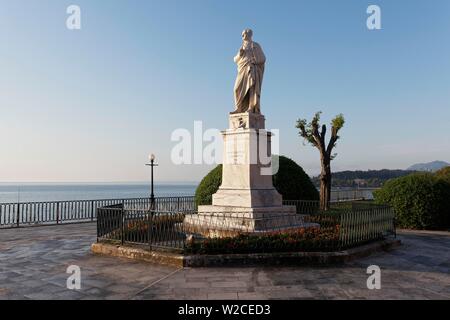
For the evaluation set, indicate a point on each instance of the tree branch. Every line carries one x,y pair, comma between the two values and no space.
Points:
334,138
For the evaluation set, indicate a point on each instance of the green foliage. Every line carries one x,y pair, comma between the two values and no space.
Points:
420,201
307,130
311,133
290,181
208,186
338,122
444,174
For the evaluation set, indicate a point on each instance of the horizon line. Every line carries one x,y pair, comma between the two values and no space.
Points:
102,182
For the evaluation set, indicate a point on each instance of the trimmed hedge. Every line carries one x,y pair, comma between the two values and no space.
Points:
208,186
290,181
420,201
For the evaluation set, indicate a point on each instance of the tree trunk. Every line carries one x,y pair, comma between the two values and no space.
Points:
325,184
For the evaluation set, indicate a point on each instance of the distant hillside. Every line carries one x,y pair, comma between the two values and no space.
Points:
367,179
430,166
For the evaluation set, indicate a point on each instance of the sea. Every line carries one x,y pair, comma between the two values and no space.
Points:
35,192
14,193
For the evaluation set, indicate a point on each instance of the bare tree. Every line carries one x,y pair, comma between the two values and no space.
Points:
315,136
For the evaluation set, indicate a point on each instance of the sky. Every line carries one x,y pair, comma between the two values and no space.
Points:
89,105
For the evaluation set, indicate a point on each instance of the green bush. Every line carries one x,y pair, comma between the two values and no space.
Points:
420,201
208,186
290,181
444,174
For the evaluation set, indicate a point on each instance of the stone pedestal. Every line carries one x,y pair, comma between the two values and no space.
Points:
247,171
247,200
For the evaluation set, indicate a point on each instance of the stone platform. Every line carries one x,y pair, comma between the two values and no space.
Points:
222,221
240,260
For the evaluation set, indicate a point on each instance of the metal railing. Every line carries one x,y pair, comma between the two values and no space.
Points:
345,225
77,211
366,224
352,194
140,227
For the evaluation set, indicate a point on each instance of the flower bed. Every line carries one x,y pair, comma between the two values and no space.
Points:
310,239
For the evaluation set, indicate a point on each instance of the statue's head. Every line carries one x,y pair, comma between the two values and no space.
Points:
247,34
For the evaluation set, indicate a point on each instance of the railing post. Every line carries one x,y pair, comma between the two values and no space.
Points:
18,215
150,231
57,213
122,222
98,227
92,210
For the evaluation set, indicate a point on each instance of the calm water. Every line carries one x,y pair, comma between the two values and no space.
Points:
60,192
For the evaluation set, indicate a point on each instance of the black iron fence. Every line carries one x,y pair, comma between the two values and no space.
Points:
152,229
343,226
77,211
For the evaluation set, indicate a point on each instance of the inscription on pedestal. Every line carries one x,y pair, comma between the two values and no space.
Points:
236,149
235,157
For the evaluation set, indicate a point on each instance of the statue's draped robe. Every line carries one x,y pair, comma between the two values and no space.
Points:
247,90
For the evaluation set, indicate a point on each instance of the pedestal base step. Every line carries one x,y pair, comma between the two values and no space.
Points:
214,221
252,212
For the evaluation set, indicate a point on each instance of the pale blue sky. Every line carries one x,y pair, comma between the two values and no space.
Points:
90,105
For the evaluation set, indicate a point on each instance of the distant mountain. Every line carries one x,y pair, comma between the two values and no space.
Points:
430,166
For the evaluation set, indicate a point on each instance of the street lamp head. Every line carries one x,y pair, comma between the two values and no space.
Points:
151,157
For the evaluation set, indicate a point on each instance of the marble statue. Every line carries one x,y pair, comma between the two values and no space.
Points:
250,61
247,201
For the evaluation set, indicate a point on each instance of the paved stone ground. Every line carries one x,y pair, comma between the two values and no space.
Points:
33,264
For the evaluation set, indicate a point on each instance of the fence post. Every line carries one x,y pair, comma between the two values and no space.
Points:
122,222
92,210
340,223
150,227
18,215
57,213
98,227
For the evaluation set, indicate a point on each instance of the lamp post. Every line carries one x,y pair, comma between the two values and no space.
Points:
151,165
